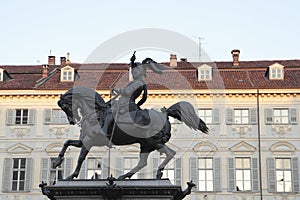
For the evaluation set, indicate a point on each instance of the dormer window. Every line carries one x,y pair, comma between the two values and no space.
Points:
276,72
1,74
204,73
67,74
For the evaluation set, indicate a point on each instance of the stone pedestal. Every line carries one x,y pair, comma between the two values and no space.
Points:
111,189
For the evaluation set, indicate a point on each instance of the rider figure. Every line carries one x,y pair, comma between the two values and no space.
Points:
132,91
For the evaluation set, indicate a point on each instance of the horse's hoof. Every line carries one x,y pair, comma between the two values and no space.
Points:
58,162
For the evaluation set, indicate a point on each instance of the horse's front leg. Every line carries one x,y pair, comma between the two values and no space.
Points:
169,155
81,158
142,163
60,158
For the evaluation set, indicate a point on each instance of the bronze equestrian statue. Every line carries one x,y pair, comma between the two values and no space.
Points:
123,122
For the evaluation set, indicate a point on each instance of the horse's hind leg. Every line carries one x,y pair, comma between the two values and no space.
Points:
169,155
59,159
142,163
81,158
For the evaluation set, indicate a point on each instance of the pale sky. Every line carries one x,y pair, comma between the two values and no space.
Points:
262,30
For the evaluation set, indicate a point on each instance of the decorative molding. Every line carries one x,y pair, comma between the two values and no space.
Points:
20,131
205,148
19,149
58,130
242,148
242,130
281,130
283,148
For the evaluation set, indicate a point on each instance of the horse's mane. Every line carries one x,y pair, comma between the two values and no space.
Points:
90,97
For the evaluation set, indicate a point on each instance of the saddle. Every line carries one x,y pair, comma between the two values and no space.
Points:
141,123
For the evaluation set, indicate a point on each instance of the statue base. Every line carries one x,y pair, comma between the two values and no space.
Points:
112,189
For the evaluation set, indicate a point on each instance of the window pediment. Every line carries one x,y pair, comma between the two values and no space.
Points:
283,148
206,148
243,148
19,149
53,149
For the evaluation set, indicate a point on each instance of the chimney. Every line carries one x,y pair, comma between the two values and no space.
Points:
68,58
51,60
62,61
173,60
235,55
45,71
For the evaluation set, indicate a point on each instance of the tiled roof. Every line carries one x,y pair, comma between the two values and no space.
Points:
249,74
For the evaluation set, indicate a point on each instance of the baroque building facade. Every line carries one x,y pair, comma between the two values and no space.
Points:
251,107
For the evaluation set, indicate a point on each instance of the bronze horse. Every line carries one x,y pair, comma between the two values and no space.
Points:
86,107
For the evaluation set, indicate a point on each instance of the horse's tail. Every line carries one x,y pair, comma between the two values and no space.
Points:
184,111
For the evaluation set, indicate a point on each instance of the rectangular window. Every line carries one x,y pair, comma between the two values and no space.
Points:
22,116
206,176
18,180
204,74
206,115
55,116
241,116
281,116
276,73
129,164
55,173
283,174
243,174
94,168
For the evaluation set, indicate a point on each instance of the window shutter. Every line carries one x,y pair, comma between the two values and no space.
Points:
216,116
83,170
269,116
229,115
119,167
271,175
47,116
45,170
293,116
231,175
253,115
217,175
194,170
10,116
7,175
154,166
105,166
177,171
28,174
31,116
295,174
68,167
255,175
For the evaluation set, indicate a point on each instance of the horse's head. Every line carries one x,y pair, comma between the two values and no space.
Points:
65,103
154,66
148,61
